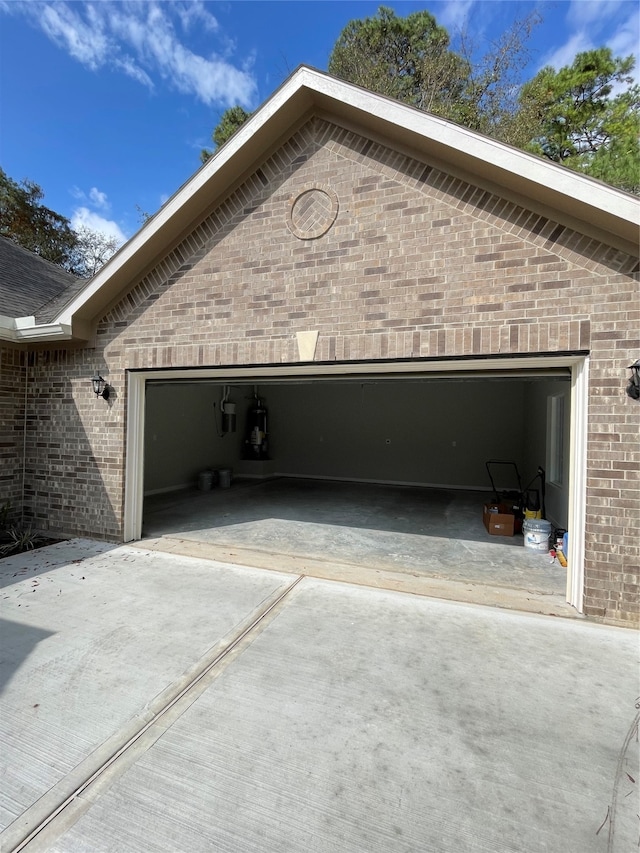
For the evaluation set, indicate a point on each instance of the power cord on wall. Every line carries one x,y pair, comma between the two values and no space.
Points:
219,432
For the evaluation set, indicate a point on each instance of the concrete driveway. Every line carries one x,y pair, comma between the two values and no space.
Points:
158,702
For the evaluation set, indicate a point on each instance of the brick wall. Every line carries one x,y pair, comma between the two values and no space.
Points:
75,447
417,263
12,378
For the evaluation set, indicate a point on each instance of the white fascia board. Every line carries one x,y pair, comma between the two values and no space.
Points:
483,148
26,330
509,160
181,197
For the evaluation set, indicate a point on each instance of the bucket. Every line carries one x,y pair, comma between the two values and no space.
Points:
533,513
536,534
205,481
224,478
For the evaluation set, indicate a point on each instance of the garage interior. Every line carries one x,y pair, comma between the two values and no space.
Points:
383,473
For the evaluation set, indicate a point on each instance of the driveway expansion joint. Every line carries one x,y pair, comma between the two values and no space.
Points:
74,788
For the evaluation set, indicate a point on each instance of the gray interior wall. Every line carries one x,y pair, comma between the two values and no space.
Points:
438,433
535,446
181,437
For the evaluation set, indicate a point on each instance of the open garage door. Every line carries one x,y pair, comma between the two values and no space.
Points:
397,457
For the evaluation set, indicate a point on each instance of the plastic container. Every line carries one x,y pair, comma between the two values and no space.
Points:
224,478
536,534
205,481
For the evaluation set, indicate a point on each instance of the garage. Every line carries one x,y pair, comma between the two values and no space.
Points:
380,466
406,298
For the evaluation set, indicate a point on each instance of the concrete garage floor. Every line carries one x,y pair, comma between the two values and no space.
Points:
156,703
419,540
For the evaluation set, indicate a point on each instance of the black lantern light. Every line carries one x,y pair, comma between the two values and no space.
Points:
633,388
100,387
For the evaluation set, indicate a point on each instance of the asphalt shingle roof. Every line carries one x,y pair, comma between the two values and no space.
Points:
29,284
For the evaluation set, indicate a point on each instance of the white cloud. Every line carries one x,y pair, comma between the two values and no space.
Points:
565,54
140,40
594,23
194,13
98,198
84,218
626,39
92,214
84,40
591,13
134,71
454,15
95,197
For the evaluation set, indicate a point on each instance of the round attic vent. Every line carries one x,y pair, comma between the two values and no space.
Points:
312,212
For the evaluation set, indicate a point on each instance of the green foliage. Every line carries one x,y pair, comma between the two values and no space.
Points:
411,59
14,537
404,58
587,116
18,539
33,226
230,121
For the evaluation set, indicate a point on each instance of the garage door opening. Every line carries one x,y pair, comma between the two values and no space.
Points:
383,472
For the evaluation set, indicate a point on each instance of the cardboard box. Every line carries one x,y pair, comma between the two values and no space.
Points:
499,519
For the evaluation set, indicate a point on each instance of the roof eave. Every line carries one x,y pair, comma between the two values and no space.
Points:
596,207
21,330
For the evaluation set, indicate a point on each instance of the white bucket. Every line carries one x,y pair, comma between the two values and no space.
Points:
536,534
224,478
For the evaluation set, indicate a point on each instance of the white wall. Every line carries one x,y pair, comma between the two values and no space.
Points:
536,400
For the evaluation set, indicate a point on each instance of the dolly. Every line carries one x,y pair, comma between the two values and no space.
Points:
523,500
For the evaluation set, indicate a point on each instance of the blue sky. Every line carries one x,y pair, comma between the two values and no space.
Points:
107,104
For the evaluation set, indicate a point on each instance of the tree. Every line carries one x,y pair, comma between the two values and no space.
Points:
91,252
411,59
29,223
588,117
35,227
404,58
491,98
230,121
585,115
143,215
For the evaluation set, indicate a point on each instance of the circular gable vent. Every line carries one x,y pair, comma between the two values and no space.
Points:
312,212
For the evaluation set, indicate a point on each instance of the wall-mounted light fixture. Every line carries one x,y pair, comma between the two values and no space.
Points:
633,388
100,387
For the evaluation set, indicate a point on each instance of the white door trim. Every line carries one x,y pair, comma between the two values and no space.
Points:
579,364
134,457
577,482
